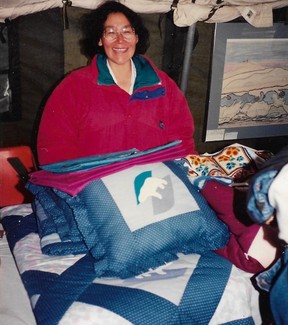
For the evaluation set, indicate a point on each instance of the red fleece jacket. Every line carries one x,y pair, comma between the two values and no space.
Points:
88,114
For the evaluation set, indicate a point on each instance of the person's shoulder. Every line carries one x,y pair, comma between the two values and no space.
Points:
77,77
73,80
166,79
81,72
87,71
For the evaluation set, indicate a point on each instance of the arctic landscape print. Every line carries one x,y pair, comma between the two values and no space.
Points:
255,83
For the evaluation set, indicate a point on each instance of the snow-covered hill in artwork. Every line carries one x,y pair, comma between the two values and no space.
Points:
252,77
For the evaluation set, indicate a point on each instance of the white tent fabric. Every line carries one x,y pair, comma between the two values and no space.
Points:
255,13
186,13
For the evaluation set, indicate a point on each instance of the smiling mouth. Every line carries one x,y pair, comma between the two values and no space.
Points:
119,50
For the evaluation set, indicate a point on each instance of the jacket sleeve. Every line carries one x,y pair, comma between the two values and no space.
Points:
181,122
57,134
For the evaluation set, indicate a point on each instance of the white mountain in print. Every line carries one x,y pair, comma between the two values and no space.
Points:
249,77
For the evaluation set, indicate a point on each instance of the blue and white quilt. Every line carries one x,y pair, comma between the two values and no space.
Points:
194,289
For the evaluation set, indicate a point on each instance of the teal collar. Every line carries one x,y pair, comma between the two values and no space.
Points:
145,74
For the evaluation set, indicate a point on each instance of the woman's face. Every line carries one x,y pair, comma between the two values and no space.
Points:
119,39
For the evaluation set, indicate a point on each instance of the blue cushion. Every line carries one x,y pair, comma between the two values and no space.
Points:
141,217
58,231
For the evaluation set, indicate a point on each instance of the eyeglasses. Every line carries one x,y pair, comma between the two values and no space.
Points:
111,33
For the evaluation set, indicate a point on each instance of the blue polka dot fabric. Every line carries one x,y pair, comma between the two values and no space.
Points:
140,218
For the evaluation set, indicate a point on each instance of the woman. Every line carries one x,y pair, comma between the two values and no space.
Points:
119,102
122,101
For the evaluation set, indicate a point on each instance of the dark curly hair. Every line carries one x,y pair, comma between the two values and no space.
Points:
92,26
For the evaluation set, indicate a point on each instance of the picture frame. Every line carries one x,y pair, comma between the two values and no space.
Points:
249,82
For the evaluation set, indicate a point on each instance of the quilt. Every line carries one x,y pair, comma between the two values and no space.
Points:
194,289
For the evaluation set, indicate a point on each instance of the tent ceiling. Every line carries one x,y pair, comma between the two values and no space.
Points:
258,14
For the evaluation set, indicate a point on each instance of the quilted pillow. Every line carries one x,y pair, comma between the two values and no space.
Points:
58,231
141,217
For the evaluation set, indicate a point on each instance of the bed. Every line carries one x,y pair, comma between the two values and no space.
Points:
190,284
152,298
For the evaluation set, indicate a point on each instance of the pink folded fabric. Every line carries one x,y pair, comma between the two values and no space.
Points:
73,182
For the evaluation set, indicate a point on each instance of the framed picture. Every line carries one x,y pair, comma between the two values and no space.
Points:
249,82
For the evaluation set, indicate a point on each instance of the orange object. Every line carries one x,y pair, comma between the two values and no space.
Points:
12,185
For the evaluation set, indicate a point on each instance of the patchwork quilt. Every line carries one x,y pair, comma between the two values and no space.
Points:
194,289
